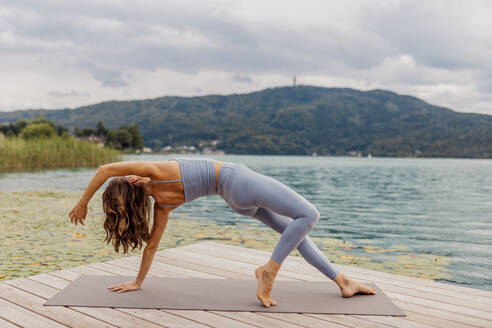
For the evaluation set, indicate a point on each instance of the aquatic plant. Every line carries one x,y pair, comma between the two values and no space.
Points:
18,153
36,237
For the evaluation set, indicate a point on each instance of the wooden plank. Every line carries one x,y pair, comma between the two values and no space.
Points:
51,286
89,270
170,320
211,319
7,324
191,315
29,286
435,321
464,314
306,321
25,318
194,273
200,262
258,320
438,305
135,266
474,302
390,321
231,274
227,266
295,260
427,303
170,269
464,320
66,273
298,260
347,320
358,322
191,266
149,314
61,314
459,317
114,269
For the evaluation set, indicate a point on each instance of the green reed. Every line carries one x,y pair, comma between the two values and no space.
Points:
48,153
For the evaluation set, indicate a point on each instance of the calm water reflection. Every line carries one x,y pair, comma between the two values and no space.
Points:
432,206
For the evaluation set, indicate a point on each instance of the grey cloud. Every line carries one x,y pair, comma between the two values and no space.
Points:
66,94
230,45
110,39
107,74
438,33
407,27
243,78
109,78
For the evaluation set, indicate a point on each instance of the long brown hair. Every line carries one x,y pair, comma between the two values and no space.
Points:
127,210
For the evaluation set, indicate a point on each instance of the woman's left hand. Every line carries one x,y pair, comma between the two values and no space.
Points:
124,287
137,180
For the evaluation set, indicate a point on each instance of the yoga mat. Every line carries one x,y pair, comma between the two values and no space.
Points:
221,295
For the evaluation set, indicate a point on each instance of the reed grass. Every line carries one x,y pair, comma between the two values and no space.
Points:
47,153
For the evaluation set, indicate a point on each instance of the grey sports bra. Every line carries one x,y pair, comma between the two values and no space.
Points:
197,176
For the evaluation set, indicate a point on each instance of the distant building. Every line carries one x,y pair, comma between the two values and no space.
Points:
95,139
147,149
167,148
354,153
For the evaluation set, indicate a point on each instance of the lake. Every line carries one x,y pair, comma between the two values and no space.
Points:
383,208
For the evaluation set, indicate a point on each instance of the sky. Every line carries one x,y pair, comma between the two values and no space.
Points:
65,54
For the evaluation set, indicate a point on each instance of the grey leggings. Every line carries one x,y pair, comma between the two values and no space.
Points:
279,207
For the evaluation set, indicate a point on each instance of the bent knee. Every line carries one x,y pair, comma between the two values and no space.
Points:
312,217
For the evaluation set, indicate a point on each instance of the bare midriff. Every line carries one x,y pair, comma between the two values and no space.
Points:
173,193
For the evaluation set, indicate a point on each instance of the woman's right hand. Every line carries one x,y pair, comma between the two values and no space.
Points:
78,213
132,178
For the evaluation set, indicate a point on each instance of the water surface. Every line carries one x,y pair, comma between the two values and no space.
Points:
382,207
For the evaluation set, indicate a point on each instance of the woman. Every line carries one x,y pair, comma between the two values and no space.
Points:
174,182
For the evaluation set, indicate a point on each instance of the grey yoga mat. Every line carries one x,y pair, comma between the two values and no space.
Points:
221,295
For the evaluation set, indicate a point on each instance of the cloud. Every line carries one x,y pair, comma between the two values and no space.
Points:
243,78
110,78
72,94
418,48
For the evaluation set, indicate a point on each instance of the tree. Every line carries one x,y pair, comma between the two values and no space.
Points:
125,137
111,140
38,130
101,131
19,125
137,140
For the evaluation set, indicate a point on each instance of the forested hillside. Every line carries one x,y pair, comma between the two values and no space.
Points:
292,120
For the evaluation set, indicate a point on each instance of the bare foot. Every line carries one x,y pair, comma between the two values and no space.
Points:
350,287
265,285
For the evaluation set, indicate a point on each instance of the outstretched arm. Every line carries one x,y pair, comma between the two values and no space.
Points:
161,216
104,172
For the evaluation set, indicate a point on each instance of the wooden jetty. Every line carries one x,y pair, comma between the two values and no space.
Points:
426,303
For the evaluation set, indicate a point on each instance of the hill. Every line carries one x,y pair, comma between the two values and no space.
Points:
292,120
